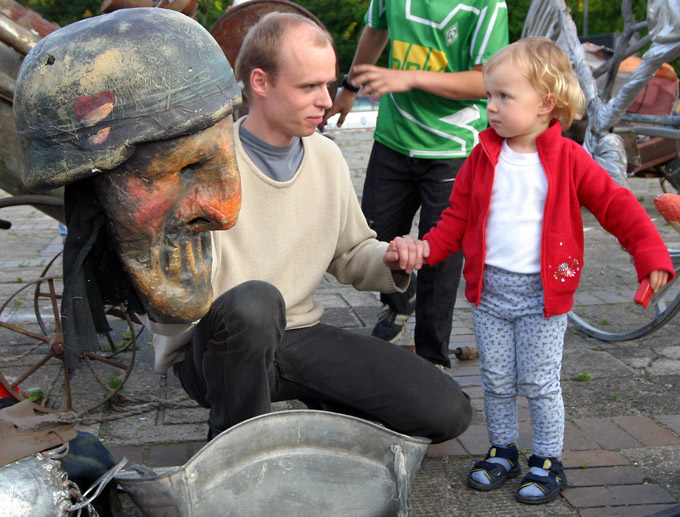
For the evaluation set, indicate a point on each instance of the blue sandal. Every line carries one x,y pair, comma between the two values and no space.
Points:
496,473
549,485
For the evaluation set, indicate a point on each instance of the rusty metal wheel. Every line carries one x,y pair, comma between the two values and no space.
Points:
33,352
42,302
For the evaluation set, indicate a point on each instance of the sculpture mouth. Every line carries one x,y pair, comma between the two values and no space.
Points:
173,278
183,256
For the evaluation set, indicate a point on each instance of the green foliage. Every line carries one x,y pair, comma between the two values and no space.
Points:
345,21
115,382
209,11
584,376
64,12
613,397
517,13
604,17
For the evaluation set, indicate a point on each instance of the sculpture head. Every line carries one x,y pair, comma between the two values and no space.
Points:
140,103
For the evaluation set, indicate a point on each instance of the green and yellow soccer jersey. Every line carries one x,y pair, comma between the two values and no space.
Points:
442,36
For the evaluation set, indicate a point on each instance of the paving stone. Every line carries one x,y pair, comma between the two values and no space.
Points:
168,455
526,434
646,510
660,464
607,434
194,447
646,430
475,392
582,298
590,497
477,403
475,440
448,448
598,476
463,368
134,454
609,297
463,340
670,421
523,414
593,458
467,381
575,439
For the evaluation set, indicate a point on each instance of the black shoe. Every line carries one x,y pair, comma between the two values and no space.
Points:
496,473
390,325
549,486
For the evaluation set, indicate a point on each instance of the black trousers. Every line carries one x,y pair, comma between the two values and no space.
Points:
396,186
241,359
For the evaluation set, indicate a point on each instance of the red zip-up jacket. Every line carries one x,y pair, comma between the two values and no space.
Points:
574,180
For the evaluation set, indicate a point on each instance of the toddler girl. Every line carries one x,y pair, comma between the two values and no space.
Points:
516,212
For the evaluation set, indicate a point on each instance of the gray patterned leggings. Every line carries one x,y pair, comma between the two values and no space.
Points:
521,352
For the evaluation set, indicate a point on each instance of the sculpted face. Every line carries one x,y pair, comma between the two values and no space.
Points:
161,204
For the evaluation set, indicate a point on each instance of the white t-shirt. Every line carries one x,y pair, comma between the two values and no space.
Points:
515,222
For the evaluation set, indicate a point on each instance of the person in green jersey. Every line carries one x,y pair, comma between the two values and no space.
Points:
432,107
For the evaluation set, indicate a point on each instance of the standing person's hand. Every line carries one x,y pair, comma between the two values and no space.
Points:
342,103
404,253
377,81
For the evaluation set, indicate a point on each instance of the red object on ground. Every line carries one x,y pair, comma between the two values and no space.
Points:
644,293
4,394
668,206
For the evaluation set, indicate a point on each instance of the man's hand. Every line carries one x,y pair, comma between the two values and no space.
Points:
342,104
404,253
376,80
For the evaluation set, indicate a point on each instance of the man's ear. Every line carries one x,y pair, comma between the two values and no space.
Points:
548,104
258,81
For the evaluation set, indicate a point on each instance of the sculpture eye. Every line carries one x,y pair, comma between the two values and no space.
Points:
194,167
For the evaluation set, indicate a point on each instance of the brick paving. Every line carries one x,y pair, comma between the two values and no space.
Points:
622,433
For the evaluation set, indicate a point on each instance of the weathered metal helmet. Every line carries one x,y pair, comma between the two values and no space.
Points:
88,93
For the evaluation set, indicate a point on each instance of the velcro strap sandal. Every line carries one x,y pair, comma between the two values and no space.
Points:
549,485
496,473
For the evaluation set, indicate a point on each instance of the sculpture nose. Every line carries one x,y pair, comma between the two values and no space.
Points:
212,200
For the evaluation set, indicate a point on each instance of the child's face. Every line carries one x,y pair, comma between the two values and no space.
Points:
515,109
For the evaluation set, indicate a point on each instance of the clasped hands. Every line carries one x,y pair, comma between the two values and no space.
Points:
406,254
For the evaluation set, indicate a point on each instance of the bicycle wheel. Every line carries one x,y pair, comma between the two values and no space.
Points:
624,320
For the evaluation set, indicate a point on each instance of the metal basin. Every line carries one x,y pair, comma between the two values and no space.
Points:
291,463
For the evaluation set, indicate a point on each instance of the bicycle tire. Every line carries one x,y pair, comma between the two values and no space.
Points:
656,323
663,313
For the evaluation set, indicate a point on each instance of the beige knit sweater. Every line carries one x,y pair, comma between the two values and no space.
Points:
289,234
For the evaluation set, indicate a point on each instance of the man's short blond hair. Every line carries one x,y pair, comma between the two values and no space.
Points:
548,69
261,47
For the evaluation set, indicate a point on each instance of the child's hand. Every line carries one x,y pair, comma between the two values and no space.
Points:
657,279
404,253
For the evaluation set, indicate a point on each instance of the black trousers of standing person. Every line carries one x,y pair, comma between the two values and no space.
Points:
396,186
241,359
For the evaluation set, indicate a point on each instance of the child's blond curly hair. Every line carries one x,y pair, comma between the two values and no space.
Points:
548,69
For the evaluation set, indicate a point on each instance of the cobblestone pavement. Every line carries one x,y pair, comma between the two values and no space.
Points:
622,442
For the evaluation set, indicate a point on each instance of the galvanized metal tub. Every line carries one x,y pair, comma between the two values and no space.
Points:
291,463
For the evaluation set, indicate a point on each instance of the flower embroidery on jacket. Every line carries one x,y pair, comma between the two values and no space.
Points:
566,270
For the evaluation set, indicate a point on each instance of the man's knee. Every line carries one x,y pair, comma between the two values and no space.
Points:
254,303
249,316
453,418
